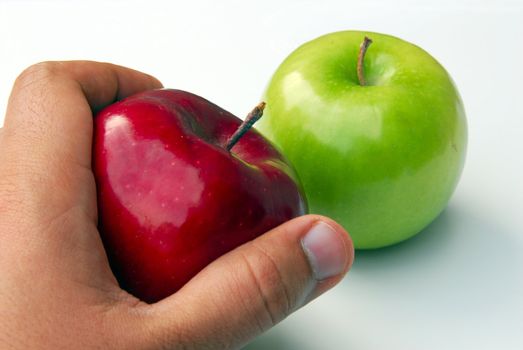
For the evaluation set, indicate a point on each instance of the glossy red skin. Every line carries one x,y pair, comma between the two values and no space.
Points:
171,199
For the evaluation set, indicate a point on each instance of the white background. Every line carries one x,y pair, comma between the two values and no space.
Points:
457,285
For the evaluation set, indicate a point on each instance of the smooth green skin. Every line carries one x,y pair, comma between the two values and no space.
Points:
383,159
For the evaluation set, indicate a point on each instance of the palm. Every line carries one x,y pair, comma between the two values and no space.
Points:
45,158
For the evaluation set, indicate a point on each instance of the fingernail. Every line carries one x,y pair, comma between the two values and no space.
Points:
325,250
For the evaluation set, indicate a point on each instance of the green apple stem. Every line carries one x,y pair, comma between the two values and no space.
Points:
363,49
249,121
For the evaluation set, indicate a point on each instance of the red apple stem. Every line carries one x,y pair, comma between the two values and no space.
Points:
363,49
249,121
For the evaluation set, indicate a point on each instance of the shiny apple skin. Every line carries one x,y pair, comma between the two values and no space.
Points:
171,199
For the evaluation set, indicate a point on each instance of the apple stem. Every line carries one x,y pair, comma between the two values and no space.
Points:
363,49
249,121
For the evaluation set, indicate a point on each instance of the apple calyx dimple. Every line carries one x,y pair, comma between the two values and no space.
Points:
249,121
361,56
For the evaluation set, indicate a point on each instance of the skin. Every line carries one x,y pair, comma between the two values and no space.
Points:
382,159
57,290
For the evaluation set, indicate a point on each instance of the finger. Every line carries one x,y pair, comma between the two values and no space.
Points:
46,142
252,288
51,104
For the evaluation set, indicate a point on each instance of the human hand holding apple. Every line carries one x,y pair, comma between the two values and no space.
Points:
53,252
56,280
377,139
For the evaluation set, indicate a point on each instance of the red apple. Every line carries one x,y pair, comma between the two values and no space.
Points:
172,198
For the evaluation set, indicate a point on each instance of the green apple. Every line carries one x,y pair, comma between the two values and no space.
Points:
380,145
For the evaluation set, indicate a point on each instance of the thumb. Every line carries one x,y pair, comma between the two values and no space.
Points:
255,286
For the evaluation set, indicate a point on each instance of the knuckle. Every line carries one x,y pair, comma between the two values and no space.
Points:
275,297
36,73
8,195
31,89
36,77
14,195
12,204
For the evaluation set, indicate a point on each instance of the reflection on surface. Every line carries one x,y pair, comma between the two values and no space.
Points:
141,175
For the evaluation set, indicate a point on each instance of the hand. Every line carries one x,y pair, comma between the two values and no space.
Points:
56,286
